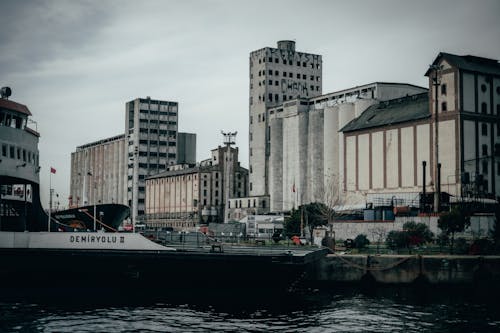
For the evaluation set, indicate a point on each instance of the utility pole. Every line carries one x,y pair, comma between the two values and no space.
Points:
227,178
437,185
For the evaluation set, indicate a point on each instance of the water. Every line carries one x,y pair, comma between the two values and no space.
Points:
386,310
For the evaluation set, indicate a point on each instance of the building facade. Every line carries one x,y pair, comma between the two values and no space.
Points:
276,75
185,196
151,129
306,147
385,147
98,172
186,148
114,170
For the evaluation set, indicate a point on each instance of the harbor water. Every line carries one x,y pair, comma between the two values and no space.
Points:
310,310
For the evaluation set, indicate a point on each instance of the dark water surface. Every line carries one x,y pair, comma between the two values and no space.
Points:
345,310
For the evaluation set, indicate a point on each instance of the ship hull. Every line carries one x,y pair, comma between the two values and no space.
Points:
108,217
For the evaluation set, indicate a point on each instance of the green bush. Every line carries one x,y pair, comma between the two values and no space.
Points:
397,239
361,241
461,246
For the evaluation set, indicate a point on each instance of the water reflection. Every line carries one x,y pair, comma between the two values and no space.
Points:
346,310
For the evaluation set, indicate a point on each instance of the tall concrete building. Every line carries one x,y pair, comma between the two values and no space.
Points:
151,129
277,75
98,172
307,149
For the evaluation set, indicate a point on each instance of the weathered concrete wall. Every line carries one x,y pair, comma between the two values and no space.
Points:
406,269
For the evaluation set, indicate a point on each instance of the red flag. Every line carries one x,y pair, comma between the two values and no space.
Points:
52,170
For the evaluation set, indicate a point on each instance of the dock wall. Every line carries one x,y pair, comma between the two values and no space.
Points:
407,269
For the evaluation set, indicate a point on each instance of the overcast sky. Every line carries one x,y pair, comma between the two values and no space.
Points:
76,63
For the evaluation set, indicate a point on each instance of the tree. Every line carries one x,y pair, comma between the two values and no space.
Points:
397,239
361,241
291,226
310,216
452,222
418,233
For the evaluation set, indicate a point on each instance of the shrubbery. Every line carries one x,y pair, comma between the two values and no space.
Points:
413,234
361,241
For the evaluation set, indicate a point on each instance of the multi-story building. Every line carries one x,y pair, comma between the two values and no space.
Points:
113,170
98,172
186,148
385,147
306,147
277,75
151,129
185,196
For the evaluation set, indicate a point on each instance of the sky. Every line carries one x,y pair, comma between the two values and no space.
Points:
76,63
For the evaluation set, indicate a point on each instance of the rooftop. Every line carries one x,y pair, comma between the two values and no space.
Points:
470,63
395,111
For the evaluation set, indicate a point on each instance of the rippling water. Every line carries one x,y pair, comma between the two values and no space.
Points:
389,310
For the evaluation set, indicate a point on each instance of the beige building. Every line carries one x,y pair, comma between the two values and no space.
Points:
98,172
385,147
276,75
186,196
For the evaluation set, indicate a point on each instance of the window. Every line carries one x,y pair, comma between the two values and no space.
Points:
270,97
4,150
298,63
484,107
304,64
270,72
284,62
216,185
276,99
484,150
483,87
290,74
284,97
304,77
485,167
276,60
498,109
270,59
484,129
443,89
270,82
298,76
276,83
443,106
251,151
276,73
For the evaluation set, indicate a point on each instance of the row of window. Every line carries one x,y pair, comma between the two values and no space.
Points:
19,153
287,62
156,131
161,113
156,121
288,74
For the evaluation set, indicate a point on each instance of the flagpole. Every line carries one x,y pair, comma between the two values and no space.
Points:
50,198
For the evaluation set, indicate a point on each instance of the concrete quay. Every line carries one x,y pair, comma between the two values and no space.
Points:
407,269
